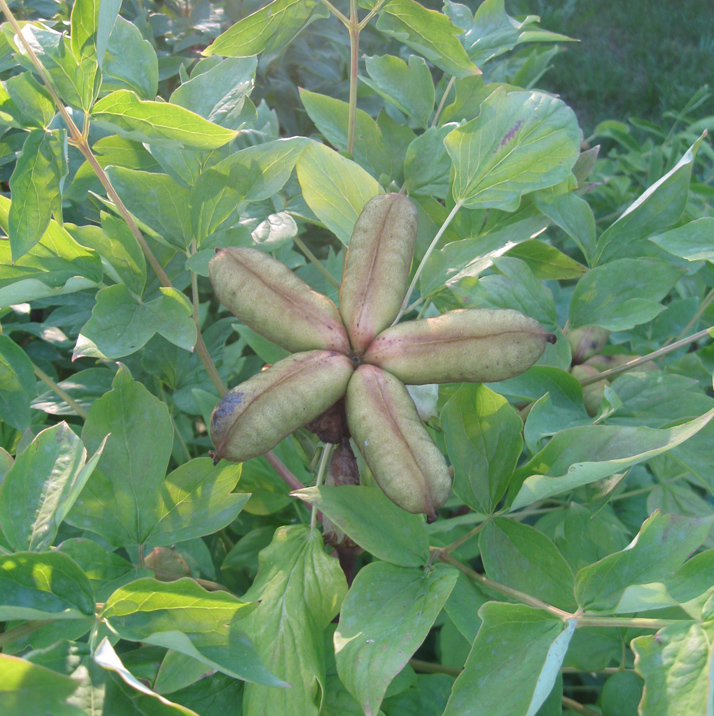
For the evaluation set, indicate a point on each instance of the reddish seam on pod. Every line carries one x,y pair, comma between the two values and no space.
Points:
388,413
221,447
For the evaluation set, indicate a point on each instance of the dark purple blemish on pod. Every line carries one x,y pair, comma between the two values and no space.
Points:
511,132
225,407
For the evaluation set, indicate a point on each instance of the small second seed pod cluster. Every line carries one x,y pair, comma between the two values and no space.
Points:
356,354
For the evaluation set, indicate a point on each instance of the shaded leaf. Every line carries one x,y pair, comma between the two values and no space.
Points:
386,615
17,384
373,521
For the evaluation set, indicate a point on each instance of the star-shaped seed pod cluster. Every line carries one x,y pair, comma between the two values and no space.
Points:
355,353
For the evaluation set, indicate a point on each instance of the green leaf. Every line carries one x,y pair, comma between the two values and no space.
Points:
622,294
41,487
581,455
523,558
107,19
157,200
659,207
33,101
676,666
184,617
386,615
334,188
130,62
331,117
106,570
300,590
573,215
661,547
196,500
120,501
43,586
469,258
218,94
546,262
513,285
84,21
75,78
410,87
84,387
373,521
513,664
114,242
121,324
35,184
124,693
462,607
17,384
158,122
493,32
692,242
427,166
55,265
271,28
27,689
484,443
520,142
428,32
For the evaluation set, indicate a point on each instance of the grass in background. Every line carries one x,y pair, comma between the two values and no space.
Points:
635,57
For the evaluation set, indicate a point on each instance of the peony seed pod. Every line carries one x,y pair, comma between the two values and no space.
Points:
257,414
587,342
269,298
593,393
476,346
387,430
376,274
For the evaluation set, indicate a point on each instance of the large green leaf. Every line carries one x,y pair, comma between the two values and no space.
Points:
622,294
272,27
185,617
661,547
512,284
428,32
331,117
42,485
157,200
35,184
120,501
158,122
676,666
300,590
493,32
218,90
121,323
55,265
27,689
484,443
385,617
373,521
17,384
469,258
659,207
513,664
581,455
521,557
130,62
692,242
106,570
520,142
335,188
408,87
43,586
196,499
33,102
427,166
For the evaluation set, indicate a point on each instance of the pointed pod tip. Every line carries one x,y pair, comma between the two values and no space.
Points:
551,337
